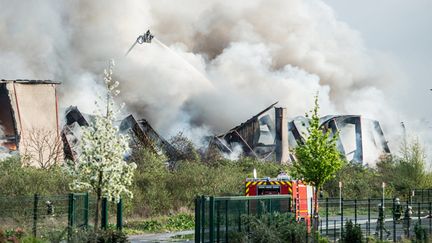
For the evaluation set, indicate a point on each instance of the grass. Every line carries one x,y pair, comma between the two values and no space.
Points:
177,222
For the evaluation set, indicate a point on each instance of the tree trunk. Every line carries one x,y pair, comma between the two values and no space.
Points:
98,201
316,213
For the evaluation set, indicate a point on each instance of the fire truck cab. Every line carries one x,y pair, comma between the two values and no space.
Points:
301,194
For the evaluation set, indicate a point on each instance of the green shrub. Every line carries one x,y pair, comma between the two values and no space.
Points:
161,191
181,221
100,236
146,226
12,235
274,228
149,186
352,233
421,234
16,179
31,239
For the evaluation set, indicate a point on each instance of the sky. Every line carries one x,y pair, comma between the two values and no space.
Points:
401,31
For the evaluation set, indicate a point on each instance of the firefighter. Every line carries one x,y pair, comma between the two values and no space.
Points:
283,175
50,208
407,220
397,210
381,222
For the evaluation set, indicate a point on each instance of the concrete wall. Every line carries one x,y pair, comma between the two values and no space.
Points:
35,112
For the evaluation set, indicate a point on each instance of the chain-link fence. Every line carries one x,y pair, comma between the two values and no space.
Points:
42,215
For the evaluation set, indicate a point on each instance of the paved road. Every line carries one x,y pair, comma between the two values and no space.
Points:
160,237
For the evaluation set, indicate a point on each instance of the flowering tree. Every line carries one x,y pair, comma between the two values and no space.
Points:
101,167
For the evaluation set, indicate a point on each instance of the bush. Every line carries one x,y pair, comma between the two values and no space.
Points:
18,235
31,239
150,225
274,228
161,191
420,233
149,186
352,233
16,179
158,189
181,221
99,236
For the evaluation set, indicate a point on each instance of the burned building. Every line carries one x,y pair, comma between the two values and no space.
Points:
143,134
71,132
29,120
361,140
140,131
259,137
271,136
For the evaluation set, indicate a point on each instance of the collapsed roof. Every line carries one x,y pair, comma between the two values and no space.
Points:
255,137
144,134
269,135
141,132
71,132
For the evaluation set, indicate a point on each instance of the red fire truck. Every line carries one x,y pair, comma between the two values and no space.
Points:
301,194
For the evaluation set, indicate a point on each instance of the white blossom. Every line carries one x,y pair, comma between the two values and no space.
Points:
101,164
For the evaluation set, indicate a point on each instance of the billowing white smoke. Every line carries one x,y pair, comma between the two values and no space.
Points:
226,59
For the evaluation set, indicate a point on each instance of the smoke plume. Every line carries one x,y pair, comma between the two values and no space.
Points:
212,65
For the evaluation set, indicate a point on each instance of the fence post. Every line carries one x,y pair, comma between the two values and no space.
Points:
334,230
327,212
430,216
369,215
355,211
381,208
71,213
120,215
409,223
226,220
218,221
203,208
270,211
418,213
248,213
211,219
239,218
86,210
35,213
342,218
197,220
367,230
104,214
394,220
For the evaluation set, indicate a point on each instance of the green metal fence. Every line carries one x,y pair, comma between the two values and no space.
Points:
397,220
422,195
41,215
218,218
